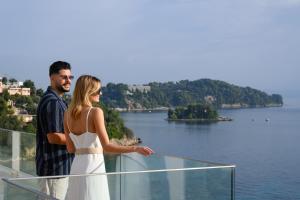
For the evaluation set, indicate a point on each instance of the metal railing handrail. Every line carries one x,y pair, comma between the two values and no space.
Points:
3,129
173,156
123,173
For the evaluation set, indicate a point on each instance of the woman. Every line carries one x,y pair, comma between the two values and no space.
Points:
86,136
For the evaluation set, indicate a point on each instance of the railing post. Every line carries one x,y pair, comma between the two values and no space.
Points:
16,146
121,157
233,183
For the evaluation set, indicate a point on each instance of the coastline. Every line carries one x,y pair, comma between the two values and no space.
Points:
126,141
241,106
219,119
141,109
223,106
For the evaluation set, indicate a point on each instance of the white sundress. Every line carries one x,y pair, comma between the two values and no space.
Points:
87,187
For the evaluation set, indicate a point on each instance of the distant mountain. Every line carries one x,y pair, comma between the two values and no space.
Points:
182,93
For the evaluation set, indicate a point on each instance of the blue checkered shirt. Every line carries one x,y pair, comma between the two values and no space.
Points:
51,159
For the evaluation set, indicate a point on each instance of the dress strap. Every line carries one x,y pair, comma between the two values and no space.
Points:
90,150
87,119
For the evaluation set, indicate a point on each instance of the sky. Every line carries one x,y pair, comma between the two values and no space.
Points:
253,43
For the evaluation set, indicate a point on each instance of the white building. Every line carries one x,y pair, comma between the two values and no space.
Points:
209,99
14,88
19,90
141,88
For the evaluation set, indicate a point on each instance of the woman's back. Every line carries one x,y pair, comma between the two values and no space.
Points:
88,160
82,131
83,124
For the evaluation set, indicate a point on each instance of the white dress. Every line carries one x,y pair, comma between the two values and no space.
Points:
87,187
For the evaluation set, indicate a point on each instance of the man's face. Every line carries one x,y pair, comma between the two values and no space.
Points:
62,80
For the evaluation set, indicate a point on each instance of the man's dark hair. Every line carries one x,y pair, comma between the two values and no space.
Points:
57,66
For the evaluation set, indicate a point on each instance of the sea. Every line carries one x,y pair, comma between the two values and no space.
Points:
263,143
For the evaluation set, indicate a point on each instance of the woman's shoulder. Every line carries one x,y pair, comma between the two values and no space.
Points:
97,110
97,113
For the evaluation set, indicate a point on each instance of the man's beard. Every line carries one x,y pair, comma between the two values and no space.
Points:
61,89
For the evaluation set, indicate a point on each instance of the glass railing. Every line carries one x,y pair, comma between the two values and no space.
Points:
19,191
6,148
186,184
130,176
17,152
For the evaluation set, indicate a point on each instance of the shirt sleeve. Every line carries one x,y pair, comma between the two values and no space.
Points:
54,117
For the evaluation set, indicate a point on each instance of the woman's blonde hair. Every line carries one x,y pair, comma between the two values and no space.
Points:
86,86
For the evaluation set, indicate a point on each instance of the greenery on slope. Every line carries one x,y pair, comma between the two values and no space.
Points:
187,92
26,104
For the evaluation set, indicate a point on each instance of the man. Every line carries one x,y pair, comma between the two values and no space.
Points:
52,158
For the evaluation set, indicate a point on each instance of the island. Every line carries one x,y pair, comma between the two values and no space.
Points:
196,113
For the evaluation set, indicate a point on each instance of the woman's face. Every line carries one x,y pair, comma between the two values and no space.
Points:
96,96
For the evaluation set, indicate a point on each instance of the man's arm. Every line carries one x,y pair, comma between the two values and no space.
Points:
54,123
56,138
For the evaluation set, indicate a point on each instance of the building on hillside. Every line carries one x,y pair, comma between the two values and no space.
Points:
14,88
22,115
141,88
25,118
209,99
19,90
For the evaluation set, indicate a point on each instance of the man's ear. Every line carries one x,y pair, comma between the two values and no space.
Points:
51,78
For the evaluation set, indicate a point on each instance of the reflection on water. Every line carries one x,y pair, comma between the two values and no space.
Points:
265,152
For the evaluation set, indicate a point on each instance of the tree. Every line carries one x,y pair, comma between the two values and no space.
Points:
29,128
39,92
13,80
171,114
3,106
10,122
23,101
5,95
194,111
4,80
30,84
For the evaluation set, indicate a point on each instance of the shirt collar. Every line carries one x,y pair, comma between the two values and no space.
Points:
50,90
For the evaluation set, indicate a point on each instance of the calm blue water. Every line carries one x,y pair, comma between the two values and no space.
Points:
267,154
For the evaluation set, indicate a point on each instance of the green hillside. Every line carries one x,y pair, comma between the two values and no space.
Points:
182,93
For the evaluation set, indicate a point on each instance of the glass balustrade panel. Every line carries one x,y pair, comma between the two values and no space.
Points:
205,184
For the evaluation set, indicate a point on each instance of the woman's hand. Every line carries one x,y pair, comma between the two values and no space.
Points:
146,151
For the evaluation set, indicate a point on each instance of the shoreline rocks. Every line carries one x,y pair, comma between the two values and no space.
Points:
126,141
223,106
242,105
219,119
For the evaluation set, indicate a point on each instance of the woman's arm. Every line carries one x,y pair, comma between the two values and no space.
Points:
98,120
69,143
